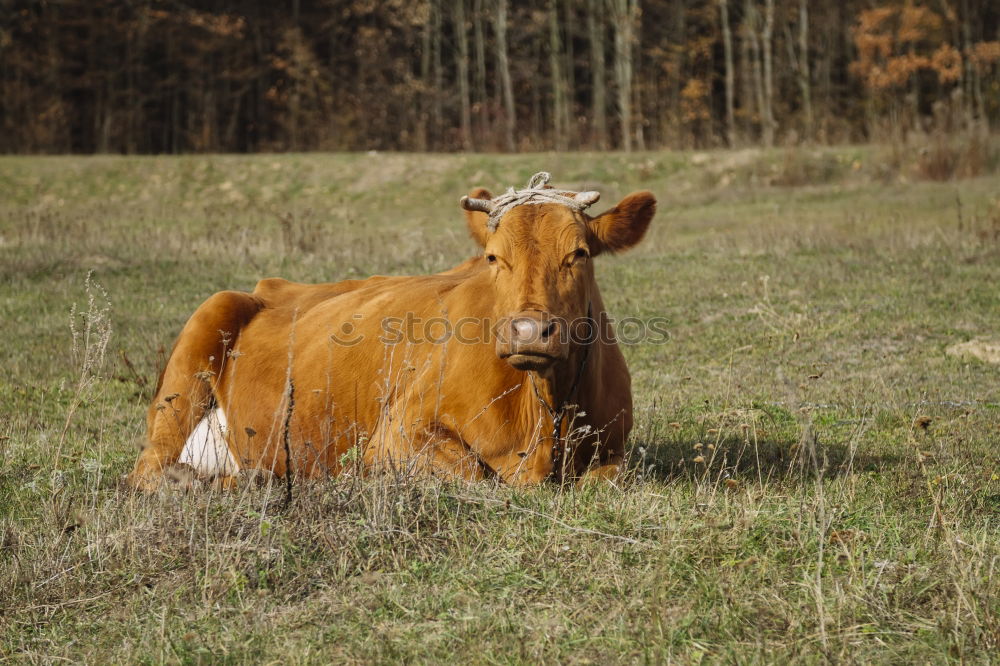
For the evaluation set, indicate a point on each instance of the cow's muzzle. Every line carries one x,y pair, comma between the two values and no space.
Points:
532,340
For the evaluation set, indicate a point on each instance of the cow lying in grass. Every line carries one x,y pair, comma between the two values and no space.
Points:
502,367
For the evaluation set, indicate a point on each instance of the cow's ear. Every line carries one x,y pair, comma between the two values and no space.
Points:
476,220
624,225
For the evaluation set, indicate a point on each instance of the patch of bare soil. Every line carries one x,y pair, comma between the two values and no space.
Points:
987,351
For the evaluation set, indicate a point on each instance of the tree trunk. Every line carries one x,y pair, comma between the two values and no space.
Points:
727,44
767,42
479,80
427,85
463,75
569,56
436,142
504,71
623,13
746,74
559,115
753,19
678,35
598,70
638,119
805,82
536,128
972,87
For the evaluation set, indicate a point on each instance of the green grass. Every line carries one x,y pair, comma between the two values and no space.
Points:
812,477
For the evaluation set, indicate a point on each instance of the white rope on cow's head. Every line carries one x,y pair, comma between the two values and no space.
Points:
535,193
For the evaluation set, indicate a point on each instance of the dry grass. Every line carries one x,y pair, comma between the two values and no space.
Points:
813,477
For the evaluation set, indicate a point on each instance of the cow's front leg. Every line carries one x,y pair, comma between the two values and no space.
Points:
602,473
597,460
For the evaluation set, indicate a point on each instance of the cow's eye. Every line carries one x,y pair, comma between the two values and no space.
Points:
580,253
491,259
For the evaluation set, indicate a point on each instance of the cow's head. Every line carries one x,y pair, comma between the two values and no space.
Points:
539,252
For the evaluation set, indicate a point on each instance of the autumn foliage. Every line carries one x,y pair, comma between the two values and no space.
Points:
195,76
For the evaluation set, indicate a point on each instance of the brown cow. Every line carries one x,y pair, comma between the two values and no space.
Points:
482,371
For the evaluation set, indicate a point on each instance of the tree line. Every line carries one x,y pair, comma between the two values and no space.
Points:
155,76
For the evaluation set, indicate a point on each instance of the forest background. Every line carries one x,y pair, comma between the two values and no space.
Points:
152,76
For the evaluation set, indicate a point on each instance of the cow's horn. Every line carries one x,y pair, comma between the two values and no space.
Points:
587,198
482,205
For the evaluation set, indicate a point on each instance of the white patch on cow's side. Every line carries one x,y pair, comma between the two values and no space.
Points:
206,449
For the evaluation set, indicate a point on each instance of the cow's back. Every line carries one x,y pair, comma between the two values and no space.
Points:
329,340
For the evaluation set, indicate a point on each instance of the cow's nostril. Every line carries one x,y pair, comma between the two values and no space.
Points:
534,333
525,329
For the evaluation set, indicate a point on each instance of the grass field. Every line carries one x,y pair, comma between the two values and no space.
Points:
812,477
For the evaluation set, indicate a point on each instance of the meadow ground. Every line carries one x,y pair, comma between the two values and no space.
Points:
812,477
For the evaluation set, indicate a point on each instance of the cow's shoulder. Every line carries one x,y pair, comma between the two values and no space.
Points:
270,288
281,293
